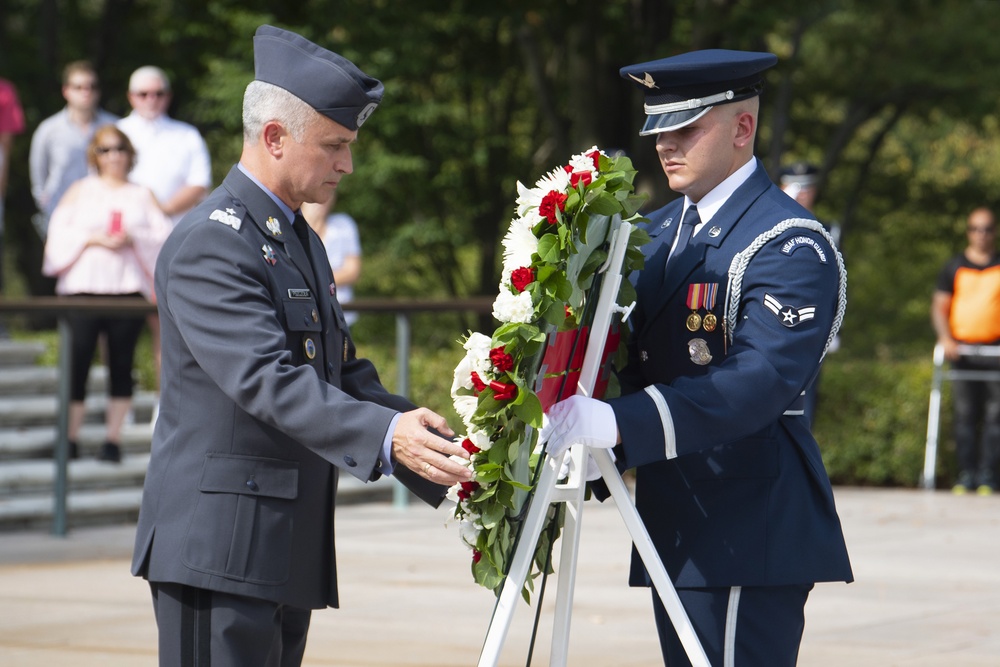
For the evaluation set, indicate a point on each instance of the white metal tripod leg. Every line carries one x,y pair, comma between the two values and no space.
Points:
575,489
654,566
520,564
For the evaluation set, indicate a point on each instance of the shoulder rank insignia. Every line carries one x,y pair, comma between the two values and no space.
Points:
226,217
273,225
790,316
269,255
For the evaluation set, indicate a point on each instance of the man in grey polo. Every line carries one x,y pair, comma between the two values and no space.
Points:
58,154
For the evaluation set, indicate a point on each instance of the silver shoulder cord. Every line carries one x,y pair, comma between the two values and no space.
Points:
734,286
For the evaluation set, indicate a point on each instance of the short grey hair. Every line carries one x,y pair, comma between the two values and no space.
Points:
265,102
149,71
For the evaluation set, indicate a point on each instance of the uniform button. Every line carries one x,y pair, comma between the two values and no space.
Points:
252,485
306,319
349,460
329,368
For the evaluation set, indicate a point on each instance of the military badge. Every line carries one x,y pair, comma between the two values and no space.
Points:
714,231
273,226
333,289
310,348
698,350
226,217
269,255
702,295
789,316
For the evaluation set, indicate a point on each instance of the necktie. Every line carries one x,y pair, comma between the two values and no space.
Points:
691,220
301,228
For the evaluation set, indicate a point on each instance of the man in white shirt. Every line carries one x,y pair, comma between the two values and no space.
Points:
171,156
173,159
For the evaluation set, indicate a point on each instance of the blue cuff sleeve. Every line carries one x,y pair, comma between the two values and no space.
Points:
385,464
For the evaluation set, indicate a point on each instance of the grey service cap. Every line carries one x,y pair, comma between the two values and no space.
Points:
329,83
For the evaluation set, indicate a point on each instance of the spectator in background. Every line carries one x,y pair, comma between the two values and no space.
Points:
171,157
11,123
59,146
103,240
966,311
343,247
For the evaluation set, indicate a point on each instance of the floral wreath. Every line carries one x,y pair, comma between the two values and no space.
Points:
551,254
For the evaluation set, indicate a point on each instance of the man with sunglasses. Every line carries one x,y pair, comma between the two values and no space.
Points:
172,158
966,311
58,155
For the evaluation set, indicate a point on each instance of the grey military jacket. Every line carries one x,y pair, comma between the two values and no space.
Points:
262,401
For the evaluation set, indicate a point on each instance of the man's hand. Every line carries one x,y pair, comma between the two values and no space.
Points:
425,453
580,420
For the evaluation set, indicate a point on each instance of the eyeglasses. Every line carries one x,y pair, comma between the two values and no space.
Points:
104,150
982,230
143,94
83,86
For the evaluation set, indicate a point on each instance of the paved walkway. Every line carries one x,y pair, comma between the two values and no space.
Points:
927,593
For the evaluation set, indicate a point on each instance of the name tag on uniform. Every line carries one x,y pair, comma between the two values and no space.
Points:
299,294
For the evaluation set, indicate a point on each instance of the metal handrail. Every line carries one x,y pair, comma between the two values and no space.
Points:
61,307
934,409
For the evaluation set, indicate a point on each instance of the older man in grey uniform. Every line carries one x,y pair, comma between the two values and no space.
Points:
263,398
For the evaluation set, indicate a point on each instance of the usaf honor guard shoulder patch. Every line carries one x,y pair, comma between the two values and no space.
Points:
789,316
796,242
227,217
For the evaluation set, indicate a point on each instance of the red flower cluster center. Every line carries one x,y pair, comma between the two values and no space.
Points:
552,202
502,361
522,277
503,391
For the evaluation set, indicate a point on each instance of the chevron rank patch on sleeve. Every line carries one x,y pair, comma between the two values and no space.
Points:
789,316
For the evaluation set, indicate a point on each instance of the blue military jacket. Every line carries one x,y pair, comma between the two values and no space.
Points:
729,480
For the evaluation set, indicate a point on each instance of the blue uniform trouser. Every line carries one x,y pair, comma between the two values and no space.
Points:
743,626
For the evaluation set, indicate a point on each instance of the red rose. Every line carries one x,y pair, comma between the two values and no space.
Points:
469,447
502,361
503,391
550,204
580,177
477,382
595,155
470,486
476,555
522,277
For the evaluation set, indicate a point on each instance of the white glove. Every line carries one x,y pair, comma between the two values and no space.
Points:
580,420
590,473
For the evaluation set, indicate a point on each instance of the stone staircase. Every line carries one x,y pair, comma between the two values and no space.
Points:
98,492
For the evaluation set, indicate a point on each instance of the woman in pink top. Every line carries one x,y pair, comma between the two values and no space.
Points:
103,240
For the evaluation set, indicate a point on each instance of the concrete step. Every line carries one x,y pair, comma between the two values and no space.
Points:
20,352
27,411
39,441
23,478
35,380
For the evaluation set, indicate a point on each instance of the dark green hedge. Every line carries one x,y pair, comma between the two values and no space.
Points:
871,422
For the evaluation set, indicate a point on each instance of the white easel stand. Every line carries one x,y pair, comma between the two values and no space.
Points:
572,493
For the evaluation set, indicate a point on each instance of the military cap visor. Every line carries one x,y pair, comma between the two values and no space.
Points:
681,89
326,81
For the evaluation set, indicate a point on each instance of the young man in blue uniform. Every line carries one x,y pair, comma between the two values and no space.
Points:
739,299
263,400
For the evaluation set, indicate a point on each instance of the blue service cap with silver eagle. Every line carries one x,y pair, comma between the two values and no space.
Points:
326,81
681,89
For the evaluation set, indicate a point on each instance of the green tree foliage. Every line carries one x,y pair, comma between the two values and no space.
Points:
894,100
